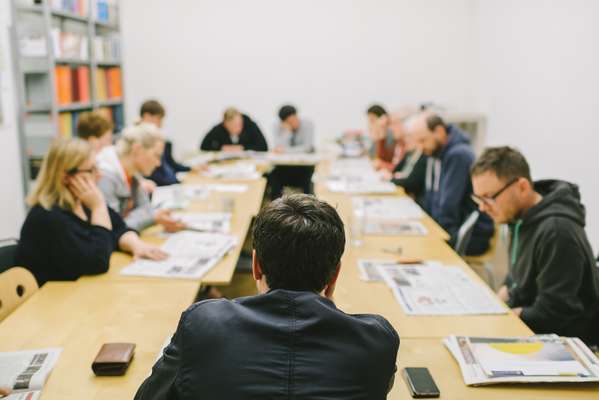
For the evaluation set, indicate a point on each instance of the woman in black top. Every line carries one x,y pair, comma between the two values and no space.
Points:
69,231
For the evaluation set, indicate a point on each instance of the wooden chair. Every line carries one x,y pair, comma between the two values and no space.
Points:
16,285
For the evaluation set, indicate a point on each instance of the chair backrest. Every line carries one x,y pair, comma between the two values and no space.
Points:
16,285
465,232
8,250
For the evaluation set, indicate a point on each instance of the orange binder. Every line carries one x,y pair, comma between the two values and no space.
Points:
63,84
115,90
83,81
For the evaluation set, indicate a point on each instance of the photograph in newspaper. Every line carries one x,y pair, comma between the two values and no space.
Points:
25,372
369,268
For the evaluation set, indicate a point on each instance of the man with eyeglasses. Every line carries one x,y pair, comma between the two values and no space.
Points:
553,281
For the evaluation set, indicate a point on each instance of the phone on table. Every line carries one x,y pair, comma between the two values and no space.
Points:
420,383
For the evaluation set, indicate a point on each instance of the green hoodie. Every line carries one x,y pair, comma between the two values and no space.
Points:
553,274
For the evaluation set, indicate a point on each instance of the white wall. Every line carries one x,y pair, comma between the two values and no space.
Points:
12,207
537,66
330,58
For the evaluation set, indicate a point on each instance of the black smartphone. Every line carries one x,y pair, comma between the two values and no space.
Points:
420,383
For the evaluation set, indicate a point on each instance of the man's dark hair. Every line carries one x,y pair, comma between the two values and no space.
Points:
377,110
287,111
299,241
433,121
152,107
93,124
507,163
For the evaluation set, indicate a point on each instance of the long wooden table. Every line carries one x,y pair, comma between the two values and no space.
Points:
80,316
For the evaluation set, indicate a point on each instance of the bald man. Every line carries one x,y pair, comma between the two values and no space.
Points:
448,186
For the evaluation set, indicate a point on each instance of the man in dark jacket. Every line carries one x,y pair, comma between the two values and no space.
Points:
290,341
448,186
237,132
553,280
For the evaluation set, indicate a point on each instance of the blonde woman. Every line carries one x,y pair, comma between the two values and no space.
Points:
137,153
70,231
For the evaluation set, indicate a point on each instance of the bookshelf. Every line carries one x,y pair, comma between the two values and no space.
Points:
67,60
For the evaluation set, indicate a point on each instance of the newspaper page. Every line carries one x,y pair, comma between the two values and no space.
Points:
439,290
541,358
386,208
205,221
227,187
294,158
25,372
369,269
191,255
174,197
345,186
240,171
394,228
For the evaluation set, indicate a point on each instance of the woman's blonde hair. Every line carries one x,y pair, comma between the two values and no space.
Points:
144,133
50,189
230,113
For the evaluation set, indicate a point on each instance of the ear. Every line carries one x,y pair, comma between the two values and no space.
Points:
524,185
330,288
256,267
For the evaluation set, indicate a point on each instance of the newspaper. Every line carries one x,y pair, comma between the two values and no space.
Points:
227,187
25,372
395,228
294,158
205,222
345,186
439,290
389,208
174,197
542,358
240,171
191,255
369,269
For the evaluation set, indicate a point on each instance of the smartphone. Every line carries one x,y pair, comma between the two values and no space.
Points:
420,383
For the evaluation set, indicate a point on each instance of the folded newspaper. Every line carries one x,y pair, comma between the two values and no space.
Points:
191,255
369,269
439,290
25,372
241,171
174,197
541,358
205,221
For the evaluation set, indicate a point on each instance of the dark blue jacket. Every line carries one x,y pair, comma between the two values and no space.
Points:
448,190
166,173
279,345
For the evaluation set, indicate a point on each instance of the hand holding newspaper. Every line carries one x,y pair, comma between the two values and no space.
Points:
191,255
541,358
25,372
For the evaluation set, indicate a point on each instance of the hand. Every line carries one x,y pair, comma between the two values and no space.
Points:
163,217
517,311
151,252
385,174
148,186
377,163
85,189
278,150
503,294
199,168
4,391
232,148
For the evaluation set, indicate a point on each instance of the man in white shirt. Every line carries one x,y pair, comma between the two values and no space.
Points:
292,135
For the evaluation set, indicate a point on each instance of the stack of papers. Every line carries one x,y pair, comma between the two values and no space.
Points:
369,269
25,372
191,255
542,358
174,197
205,222
439,290
240,171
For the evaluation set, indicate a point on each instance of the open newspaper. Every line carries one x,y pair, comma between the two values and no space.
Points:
294,158
394,228
191,255
360,186
205,221
175,197
439,290
25,372
541,358
369,269
386,208
240,171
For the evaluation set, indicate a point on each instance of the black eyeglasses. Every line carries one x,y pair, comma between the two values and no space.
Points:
489,200
75,171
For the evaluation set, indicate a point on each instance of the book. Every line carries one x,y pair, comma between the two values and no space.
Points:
101,85
25,372
65,124
63,84
83,84
540,358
